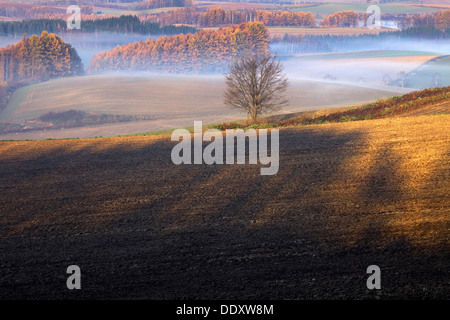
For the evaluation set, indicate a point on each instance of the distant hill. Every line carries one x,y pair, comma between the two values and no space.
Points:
434,73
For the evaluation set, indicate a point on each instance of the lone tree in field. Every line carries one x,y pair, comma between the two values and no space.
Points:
256,84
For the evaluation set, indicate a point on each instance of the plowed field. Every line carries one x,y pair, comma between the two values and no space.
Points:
346,196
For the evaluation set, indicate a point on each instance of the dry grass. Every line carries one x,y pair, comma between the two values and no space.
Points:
174,101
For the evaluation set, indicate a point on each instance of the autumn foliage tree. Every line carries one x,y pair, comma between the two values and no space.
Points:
122,24
256,84
201,52
38,57
341,19
285,18
443,20
216,17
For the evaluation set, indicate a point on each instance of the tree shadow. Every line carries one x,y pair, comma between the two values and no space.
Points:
141,227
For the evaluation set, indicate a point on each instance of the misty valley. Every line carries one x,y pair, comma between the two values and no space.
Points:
348,77
198,150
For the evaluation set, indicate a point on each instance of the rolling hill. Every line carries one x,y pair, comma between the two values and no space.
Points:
346,196
435,72
170,101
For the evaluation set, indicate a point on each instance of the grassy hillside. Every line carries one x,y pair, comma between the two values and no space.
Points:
423,102
170,101
346,196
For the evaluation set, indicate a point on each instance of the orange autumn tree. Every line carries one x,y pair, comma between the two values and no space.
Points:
201,52
285,18
442,21
341,19
38,57
216,17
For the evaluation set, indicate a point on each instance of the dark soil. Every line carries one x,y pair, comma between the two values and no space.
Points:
346,196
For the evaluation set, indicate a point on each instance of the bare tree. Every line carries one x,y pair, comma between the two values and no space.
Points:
401,78
386,79
256,84
436,82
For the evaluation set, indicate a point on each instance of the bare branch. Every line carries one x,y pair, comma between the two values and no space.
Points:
256,84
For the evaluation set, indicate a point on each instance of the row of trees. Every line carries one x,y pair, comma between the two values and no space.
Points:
124,24
443,20
439,20
341,19
201,52
219,17
295,44
38,57
285,18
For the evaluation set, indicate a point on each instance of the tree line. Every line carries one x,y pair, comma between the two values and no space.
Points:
341,19
38,57
215,17
202,52
440,20
295,44
122,24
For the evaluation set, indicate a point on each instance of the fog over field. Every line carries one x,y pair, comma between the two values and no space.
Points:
387,43
365,63
89,44
162,101
372,69
352,72
319,171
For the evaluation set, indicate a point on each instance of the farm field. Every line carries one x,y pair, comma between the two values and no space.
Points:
387,8
193,98
89,175
346,196
366,68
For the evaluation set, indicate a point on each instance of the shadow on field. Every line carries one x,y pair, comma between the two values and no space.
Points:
141,227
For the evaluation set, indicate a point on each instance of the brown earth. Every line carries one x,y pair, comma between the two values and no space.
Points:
346,196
